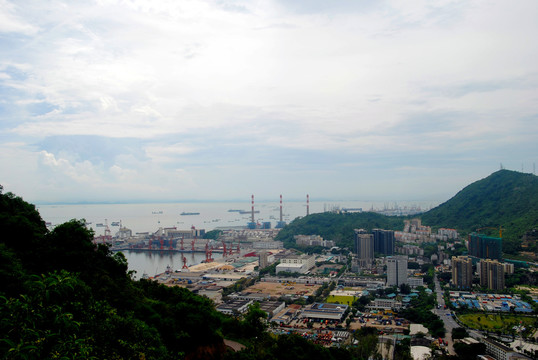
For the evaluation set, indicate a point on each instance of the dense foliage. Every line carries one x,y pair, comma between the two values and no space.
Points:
292,347
63,296
505,198
213,234
469,351
459,333
337,227
420,312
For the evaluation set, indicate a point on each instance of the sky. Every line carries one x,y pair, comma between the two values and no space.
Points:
150,100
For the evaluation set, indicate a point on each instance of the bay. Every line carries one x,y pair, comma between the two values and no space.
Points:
152,263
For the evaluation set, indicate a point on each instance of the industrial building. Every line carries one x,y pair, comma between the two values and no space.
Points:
286,315
235,306
272,308
254,296
322,311
267,245
462,272
296,263
185,234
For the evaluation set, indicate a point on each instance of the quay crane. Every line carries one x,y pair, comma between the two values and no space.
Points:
208,254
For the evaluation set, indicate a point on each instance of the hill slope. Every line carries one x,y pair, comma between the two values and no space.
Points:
505,198
337,227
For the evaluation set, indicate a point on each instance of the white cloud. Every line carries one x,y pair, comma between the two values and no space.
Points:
84,172
10,23
280,80
168,153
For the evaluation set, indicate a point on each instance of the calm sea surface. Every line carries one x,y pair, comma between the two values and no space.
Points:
150,217
153,263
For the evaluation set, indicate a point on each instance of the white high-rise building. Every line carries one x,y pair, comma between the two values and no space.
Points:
396,271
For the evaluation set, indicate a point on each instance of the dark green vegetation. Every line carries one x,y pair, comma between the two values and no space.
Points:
61,296
521,277
290,347
337,227
505,198
419,312
213,234
459,333
469,352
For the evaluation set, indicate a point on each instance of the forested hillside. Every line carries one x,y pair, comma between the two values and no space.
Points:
505,198
63,297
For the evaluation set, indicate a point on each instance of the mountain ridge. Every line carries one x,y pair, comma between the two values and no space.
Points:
507,199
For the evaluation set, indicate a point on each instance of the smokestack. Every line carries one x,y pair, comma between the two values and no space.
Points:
281,207
307,205
252,220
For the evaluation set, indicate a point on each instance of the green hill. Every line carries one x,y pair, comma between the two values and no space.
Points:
337,226
505,198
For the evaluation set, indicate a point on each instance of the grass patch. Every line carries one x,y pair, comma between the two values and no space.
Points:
340,299
496,322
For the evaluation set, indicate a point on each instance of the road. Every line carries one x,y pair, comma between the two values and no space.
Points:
446,316
449,321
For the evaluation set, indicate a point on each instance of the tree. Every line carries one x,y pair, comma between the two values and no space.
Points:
213,234
459,333
367,341
469,352
255,319
405,288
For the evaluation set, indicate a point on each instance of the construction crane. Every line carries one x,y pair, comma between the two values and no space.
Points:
500,228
